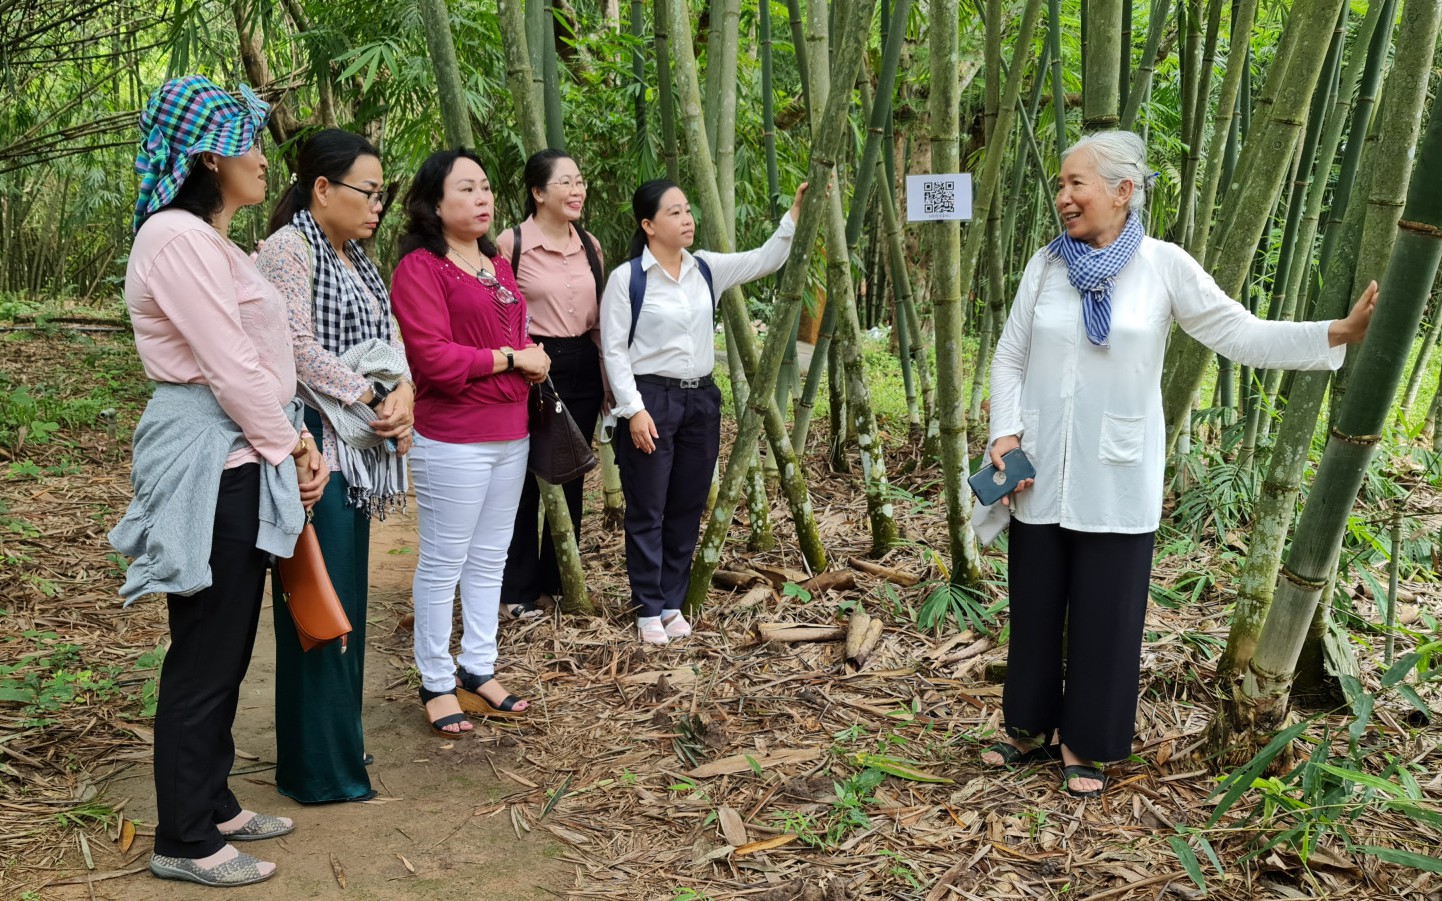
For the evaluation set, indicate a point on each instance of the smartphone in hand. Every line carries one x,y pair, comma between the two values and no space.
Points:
991,484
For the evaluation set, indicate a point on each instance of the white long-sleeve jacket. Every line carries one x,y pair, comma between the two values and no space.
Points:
1090,419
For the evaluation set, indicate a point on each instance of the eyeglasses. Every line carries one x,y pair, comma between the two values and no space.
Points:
566,183
372,197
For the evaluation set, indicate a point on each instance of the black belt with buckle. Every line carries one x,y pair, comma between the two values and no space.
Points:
664,381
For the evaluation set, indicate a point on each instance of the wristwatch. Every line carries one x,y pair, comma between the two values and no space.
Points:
510,358
379,393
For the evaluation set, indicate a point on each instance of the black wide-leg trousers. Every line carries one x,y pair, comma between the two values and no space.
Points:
531,567
666,491
212,634
1092,588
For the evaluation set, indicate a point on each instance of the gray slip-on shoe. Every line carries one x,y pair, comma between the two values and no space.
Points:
261,826
242,870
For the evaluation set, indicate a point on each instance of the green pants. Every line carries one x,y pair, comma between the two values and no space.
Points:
319,745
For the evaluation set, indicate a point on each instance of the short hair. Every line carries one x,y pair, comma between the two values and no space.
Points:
1120,156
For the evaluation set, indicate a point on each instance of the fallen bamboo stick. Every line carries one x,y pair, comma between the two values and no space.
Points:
787,632
898,576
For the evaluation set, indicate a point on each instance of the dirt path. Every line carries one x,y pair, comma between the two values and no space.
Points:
439,804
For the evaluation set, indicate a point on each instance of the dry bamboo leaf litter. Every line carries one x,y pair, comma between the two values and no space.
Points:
616,718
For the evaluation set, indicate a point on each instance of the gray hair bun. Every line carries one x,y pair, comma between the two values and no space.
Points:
1120,156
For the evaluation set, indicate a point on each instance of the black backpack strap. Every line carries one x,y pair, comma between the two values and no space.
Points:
516,251
638,296
710,283
594,259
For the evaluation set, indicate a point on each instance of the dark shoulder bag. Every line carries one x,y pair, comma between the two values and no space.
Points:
559,452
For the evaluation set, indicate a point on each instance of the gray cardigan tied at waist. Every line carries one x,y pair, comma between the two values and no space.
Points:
180,448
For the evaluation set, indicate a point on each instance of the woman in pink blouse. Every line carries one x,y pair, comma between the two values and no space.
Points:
464,324
354,380
558,266
218,456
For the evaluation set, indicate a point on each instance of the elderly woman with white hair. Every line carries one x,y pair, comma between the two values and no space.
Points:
1076,383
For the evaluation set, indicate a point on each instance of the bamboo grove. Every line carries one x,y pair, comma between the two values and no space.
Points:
1295,153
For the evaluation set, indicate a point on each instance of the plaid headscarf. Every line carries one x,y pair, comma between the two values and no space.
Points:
187,116
1092,272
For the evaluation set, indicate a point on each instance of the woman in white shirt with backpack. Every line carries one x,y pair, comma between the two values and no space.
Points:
658,345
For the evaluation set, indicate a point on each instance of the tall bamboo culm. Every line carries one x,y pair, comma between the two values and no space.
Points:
1259,699
1266,158
954,265
733,308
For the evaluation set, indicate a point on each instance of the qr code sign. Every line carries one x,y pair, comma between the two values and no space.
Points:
938,198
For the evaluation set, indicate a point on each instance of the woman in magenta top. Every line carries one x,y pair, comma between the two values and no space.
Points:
463,322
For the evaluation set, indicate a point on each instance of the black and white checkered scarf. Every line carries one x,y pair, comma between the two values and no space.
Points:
342,311
345,326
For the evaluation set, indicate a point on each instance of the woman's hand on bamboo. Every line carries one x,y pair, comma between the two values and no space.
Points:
1354,328
643,432
795,211
1000,448
533,363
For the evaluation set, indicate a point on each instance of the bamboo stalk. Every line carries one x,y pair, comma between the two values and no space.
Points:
1260,699
1263,166
530,120
665,93
954,266
455,115
733,307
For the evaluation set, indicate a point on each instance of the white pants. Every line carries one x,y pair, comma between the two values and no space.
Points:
466,495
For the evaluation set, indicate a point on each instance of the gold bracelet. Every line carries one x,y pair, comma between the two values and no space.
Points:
300,448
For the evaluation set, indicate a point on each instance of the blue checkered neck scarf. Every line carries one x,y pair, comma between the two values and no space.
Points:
1093,272
185,117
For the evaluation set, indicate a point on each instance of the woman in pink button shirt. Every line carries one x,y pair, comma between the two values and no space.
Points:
559,267
463,322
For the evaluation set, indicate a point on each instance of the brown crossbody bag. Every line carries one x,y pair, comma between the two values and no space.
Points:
306,590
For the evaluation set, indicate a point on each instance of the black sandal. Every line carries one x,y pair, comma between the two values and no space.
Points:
524,611
451,719
1011,755
472,683
1083,771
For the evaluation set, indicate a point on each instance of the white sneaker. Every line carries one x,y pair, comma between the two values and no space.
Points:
676,625
652,632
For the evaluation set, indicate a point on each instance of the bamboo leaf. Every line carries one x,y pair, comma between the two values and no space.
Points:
1400,670
1237,783
556,796
1405,858
900,768
1188,859
1410,693
1390,789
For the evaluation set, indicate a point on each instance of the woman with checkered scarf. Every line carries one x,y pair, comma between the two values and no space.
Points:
359,399
1076,383
223,463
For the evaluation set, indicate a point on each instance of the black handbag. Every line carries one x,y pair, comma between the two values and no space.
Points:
559,452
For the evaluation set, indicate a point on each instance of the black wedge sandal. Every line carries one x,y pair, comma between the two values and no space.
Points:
451,719
471,684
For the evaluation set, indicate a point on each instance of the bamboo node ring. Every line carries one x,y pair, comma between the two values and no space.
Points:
1357,440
